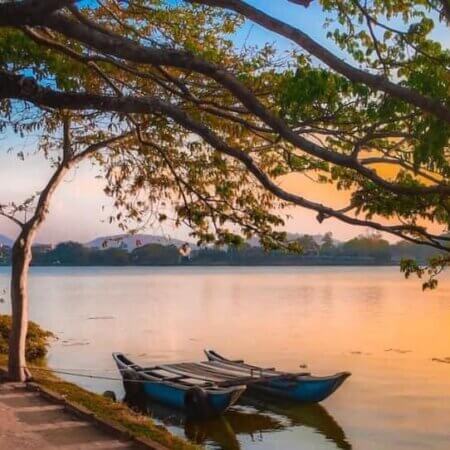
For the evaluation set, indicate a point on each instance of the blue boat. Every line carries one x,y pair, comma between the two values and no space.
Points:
300,387
193,394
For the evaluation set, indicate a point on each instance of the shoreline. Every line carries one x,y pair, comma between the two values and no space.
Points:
331,264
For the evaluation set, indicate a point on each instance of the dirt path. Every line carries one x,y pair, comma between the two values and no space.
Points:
28,421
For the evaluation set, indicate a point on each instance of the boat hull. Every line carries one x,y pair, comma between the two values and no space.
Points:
302,390
217,403
193,400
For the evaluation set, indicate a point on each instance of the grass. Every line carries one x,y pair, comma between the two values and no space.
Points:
137,424
37,339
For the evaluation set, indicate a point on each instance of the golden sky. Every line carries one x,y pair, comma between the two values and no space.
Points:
77,211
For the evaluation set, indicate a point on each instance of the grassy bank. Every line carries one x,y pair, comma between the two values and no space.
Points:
118,413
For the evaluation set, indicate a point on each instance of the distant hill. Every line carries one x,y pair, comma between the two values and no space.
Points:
131,242
5,240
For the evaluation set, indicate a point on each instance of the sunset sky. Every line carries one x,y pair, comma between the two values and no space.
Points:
77,209
76,212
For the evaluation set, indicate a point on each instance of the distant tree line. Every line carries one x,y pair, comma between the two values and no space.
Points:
370,250
76,254
364,249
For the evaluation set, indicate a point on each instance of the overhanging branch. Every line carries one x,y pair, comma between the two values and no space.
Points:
29,11
354,74
129,50
93,148
12,218
25,88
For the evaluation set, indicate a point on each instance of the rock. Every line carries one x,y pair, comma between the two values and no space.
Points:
111,395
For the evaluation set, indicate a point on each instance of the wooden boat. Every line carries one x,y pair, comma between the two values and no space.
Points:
197,397
301,387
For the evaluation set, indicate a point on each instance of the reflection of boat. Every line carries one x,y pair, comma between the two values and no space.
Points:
226,429
301,387
253,418
311,415
215,430
196,397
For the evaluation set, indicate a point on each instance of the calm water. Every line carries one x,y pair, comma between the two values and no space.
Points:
369,321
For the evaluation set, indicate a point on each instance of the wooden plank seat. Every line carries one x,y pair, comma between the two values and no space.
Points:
176,378
214,373
220,378
205,371
237,371
190,371
164,375
248,369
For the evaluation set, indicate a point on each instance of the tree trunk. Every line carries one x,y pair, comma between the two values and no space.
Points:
21,259
21,253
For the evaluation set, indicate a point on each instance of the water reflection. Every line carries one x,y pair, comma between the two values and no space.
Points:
314,416
251,420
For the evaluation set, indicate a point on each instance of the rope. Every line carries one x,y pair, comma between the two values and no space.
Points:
83,375
79,369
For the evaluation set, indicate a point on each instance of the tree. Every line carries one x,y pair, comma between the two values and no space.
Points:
308,245
327,246
215,128
372,246
37,207
155,254
71,253
109,257
82,138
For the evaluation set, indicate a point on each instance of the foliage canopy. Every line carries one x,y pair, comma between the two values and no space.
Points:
213,128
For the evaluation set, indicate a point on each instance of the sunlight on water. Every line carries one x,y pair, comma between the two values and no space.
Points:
369,321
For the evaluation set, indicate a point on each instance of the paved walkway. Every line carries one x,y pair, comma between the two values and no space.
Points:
28,422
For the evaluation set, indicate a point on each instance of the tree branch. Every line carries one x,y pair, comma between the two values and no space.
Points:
12,218
26,88
67,144
93,148
398,162
15,13
445,11
211,107
354,74
129,50
42,207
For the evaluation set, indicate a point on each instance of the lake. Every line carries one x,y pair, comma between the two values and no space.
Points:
369,321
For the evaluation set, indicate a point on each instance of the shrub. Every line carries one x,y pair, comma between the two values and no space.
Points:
37,338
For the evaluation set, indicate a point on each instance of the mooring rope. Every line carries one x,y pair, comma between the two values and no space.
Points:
84,375
79,369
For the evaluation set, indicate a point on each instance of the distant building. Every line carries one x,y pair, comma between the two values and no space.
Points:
185,253
114,242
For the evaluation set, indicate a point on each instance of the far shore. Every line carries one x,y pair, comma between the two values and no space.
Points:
331,264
